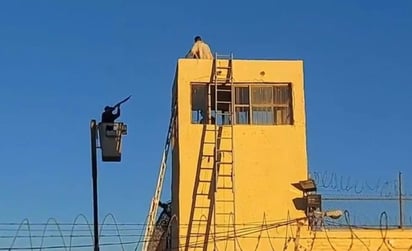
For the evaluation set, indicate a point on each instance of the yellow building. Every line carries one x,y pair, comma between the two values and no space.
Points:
239,152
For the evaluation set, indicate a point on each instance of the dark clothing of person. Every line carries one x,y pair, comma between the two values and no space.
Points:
167,208
108,116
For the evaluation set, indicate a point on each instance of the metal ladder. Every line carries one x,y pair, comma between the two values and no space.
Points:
224,190
151,220
201,214
214,175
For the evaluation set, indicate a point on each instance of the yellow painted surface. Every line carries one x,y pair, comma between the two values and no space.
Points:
267,160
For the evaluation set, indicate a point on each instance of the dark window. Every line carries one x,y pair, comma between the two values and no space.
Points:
199,103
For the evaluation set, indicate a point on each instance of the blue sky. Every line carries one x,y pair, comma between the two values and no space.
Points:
61,62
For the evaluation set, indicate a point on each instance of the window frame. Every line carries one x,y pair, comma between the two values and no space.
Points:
204,85
272,105
247,108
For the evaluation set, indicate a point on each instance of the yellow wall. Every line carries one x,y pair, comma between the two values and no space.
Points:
267,160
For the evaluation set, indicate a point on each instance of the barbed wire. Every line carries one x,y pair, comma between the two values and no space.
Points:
260,230
328,181
82,216
34,235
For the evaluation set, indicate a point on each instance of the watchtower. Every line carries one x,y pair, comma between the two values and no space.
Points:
239,144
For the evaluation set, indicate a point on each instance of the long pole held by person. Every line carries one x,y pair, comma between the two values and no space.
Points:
123,101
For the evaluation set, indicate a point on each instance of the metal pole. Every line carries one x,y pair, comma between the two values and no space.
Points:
93,133
400,201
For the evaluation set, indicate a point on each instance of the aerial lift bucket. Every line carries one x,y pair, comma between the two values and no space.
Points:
111,140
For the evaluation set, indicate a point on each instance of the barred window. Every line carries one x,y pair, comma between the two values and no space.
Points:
242,106
269,104
256,104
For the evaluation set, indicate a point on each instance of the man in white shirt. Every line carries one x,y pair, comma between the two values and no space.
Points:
200,50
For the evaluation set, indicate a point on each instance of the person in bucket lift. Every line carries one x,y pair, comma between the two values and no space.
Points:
200,50
108,116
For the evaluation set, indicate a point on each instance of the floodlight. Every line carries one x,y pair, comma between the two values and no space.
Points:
334,214
307,185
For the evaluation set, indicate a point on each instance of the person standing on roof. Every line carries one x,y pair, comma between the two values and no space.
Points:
200,50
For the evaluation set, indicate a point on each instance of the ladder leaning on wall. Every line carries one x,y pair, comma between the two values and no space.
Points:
223,111
151,219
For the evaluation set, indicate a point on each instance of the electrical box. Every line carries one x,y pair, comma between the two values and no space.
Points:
111,140
313,202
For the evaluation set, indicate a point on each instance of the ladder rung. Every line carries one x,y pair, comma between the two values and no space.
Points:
224,137
203,181
225,188
223,67
225,175
206,168
204,194
223,102
224,151
230,213
220,227
200,220
224,200
225,226
224,163
223,90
